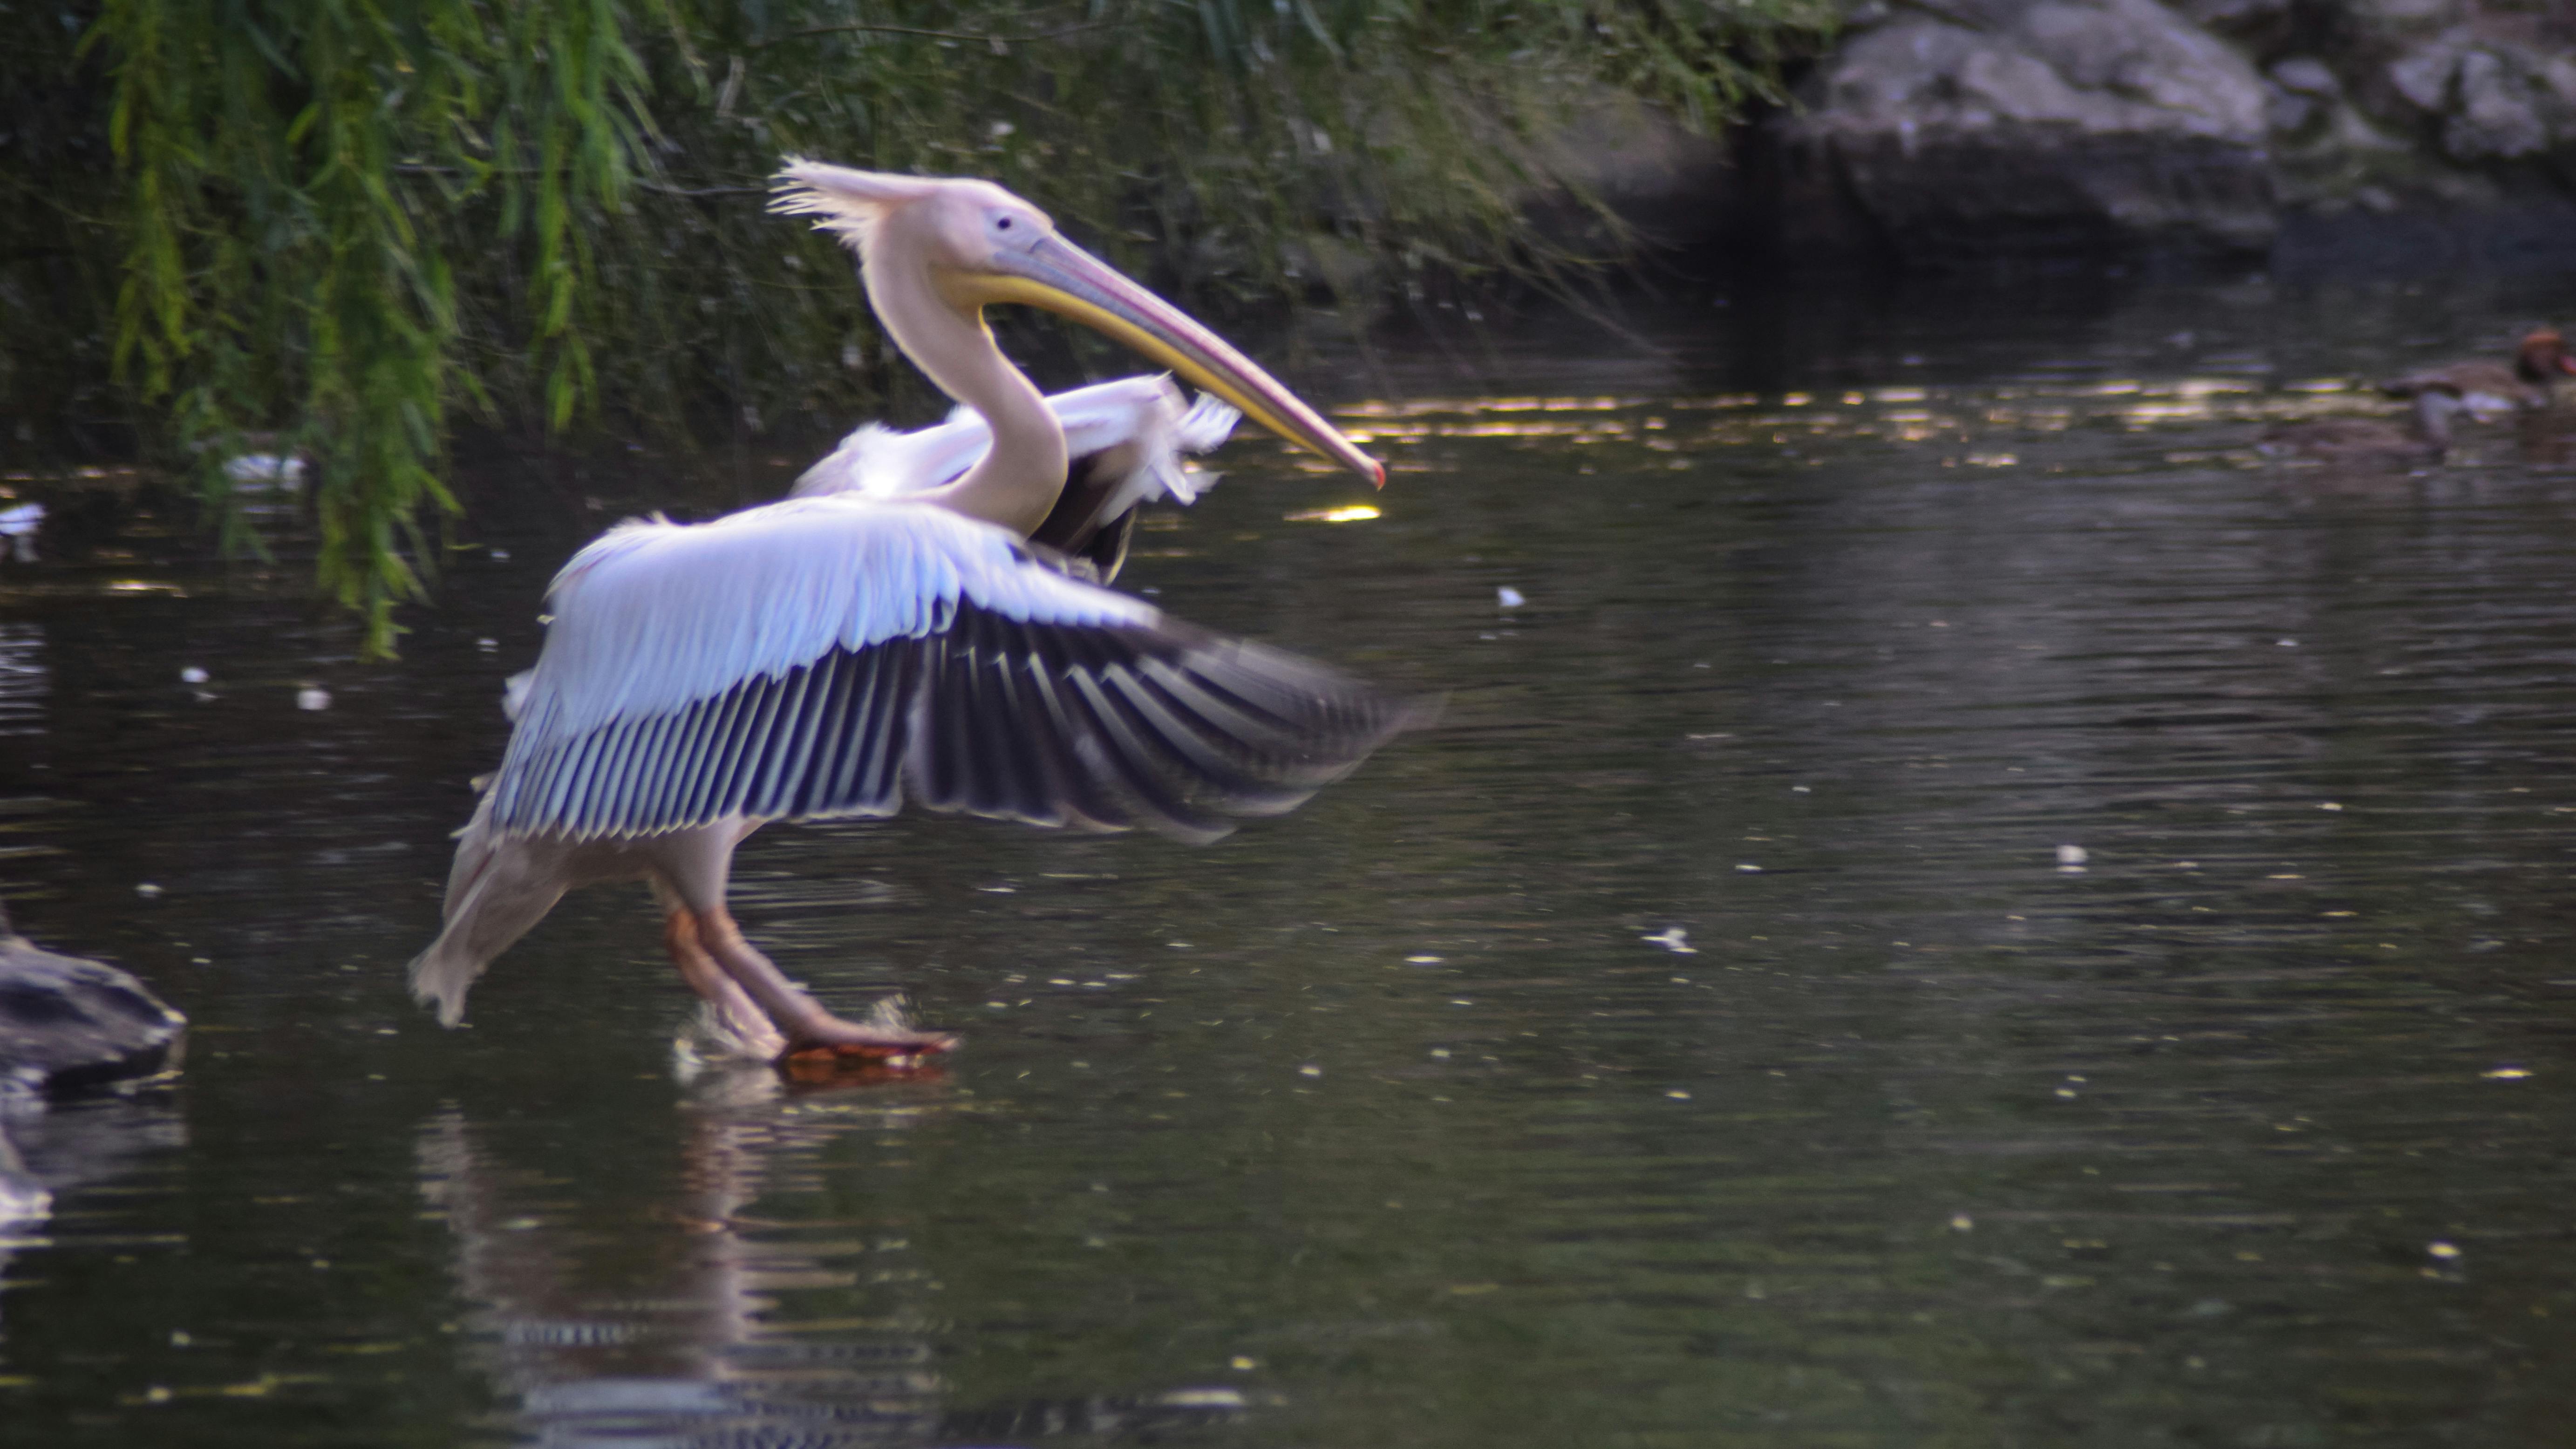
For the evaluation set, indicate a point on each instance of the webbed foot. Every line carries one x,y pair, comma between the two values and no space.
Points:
884,1036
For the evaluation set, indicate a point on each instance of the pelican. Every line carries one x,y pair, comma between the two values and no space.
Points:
835,654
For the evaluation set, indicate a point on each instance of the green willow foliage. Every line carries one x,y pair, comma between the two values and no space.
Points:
342,221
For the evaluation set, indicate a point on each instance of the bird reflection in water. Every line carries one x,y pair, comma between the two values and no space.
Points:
70,1170
605,1321
2547,439
680,1349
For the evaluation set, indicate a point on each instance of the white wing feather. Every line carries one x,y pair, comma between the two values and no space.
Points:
1146,412
654,615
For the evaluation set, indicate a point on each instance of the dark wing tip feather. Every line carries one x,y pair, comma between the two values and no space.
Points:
1167,727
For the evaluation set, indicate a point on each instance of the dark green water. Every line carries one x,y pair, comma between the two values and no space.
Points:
1401,1120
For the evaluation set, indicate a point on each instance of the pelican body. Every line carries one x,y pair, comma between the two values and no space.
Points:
923,624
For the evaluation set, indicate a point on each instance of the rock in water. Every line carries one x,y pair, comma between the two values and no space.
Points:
1989,127
66,1022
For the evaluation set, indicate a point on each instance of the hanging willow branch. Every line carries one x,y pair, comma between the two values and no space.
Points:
343,220
304,180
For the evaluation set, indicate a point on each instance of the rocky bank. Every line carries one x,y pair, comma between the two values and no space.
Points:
1959,132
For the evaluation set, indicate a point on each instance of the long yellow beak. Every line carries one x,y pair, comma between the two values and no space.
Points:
1064,279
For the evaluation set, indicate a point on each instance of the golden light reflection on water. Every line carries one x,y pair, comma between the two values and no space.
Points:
1533,428
1982,427
2148,414
1350,513
1426,407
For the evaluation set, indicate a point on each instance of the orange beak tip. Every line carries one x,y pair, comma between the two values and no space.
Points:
1377,473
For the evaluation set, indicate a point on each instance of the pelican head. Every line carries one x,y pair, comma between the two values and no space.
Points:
962,244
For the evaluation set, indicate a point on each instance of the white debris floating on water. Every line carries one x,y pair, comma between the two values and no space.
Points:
19,525
193,675
311,698
23,1199
1509,597
266,468
2071,858
1675,940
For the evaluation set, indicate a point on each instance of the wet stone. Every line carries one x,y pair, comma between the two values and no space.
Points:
67,1023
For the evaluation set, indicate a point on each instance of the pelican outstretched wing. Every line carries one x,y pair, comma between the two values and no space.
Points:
833,656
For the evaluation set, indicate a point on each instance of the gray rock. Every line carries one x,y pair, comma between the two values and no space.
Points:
2505,111
67,1023
2494,98
2286,110
1997,126
2301,92
2307,76
2423,75
2235,17
2404,15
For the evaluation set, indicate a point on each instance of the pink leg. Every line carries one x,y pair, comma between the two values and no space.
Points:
802,1019
735,1011
688,869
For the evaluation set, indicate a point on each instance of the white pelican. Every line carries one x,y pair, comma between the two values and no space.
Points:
831,655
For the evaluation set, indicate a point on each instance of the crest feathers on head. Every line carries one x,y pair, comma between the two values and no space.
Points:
848,203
